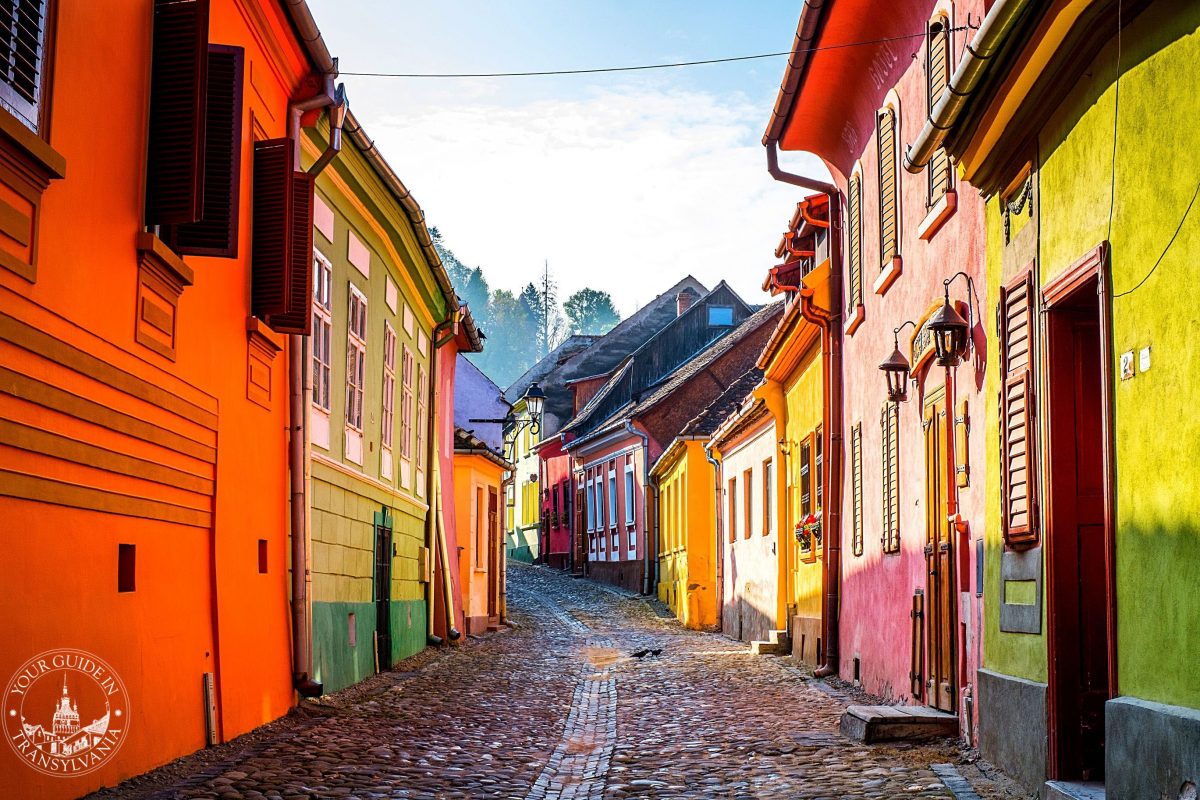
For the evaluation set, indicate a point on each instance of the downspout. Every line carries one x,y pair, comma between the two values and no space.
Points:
653,486
299,389
976,60
830,323
649,584
433,526
720,593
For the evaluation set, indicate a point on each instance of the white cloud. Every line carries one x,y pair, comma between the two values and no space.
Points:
625,191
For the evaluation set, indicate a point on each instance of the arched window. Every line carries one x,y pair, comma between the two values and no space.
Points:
937,70
888,192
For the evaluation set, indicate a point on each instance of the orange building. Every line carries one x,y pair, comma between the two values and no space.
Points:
154,249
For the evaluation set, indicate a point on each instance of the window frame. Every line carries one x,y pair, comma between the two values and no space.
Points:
407,368
388,401
891,114
630,488
748,502
612,497
731,502
322,335
768,495
356,368
889,448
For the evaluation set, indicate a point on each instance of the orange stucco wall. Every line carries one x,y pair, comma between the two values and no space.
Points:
475,473
200,604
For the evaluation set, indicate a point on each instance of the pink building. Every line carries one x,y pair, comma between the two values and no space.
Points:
912,500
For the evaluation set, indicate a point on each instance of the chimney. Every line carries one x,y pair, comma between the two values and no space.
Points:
684,300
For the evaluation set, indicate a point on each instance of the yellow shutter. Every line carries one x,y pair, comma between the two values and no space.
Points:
888,200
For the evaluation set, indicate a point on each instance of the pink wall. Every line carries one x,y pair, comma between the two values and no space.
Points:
623,451
877,588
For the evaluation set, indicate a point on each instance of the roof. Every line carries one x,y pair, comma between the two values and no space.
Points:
606,353
715,413
467,443
830,91
569,347
664,390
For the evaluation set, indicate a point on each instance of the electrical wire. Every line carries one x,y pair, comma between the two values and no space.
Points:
639,67
1166,249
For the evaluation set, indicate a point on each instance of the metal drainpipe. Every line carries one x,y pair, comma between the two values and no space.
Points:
720,592
977,58
830,322
649,585
450,327
298,444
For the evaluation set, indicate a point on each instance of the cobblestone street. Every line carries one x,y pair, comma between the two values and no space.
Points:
559,708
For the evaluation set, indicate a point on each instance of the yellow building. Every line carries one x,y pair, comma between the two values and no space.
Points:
792,393
686,531
478,494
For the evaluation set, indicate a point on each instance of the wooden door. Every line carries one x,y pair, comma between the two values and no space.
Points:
1076,537
579,535
940,690
383,595
493,545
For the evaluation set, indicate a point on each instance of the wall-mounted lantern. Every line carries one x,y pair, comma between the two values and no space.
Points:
895,368
535,402
948,328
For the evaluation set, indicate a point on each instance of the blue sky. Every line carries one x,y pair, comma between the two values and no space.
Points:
625,181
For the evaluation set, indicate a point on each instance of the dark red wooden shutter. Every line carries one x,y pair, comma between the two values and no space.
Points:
1018,432
281,285
175,151
215,234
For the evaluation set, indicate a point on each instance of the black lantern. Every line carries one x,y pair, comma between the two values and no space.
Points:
948,329
895,368
535,400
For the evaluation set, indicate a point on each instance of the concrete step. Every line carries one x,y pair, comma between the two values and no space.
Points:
1073,790
777,643
888,723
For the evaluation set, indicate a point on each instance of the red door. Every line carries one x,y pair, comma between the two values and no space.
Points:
1076,539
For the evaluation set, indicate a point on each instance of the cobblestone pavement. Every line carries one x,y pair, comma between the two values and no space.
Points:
559,708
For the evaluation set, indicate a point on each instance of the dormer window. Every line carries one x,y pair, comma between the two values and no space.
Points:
720,316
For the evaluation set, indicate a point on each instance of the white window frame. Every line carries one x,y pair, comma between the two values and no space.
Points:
630,488
322,336
599,503
406,410
591,512
356,368
388,402
612,497
422,426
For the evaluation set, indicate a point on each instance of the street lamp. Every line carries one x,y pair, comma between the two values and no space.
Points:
948,328
535,402
895,368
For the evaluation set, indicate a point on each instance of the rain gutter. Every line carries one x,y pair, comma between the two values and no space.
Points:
973,67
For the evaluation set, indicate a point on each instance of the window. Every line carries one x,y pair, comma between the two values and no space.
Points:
126,567
720,316
889,423
731,499
888,195
629,515
748,503
322,335
856,494
854,212
406,404
280,293
591,513
937,68
599,503
215,231
818,471
262,556
768,496
23,26
806,504
422,427
612,497
1018,431
389,384
356,358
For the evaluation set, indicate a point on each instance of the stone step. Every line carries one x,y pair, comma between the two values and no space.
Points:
1073,790
777,643
888,723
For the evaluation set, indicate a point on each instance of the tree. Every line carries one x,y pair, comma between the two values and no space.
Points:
469,283
511,346
591,312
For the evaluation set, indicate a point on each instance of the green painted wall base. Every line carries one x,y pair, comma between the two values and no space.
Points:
337,664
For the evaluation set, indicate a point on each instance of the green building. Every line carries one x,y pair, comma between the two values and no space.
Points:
1078,124
380,292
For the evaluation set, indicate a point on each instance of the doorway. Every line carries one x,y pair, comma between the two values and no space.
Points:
940,688
383,594
493,546
1078,532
